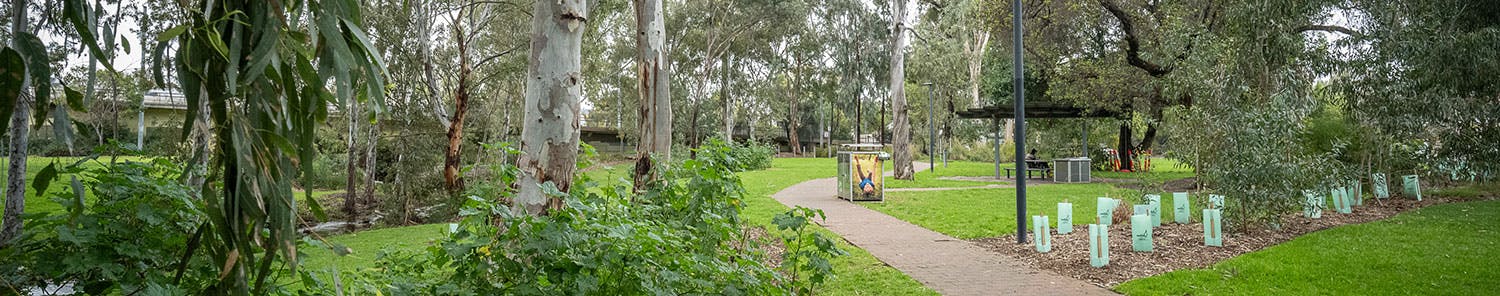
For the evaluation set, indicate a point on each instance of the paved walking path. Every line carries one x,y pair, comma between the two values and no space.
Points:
948,265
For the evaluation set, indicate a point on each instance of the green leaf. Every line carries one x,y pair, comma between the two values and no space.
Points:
12,75
75,99
38,68
44,178
125,44
76,11
62,125
78,196
171,33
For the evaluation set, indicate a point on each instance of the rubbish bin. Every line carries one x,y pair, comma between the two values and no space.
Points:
861,171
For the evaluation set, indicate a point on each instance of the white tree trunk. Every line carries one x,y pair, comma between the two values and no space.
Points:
20,131
654,86
901,137
549,132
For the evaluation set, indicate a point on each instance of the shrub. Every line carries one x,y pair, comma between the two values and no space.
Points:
679,237
752,156
129,238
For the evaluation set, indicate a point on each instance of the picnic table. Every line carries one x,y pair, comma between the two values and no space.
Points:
1039,167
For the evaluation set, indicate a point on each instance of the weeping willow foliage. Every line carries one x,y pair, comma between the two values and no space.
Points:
264,73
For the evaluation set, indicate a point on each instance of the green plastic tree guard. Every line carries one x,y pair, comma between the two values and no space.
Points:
1213,228
1358,192
1154,200
1042,235
1105,210
1413,186
1348,201
1098,245
1312,204
1181,208
1217,201
1381,187
1140,233
1064,218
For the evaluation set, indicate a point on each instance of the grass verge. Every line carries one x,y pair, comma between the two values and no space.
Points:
1444,249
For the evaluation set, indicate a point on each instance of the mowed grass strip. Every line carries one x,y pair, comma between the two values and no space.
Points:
1448,249
991,212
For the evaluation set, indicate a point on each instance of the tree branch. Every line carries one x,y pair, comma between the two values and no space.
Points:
1133,44
1328,28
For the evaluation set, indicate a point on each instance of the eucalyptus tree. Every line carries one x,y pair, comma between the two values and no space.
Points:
654,89
549,133
263,73
901,126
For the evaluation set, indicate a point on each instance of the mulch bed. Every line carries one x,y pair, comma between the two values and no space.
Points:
1178,246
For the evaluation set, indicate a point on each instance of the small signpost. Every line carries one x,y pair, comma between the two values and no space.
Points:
1098,245
1181,208
1381,186
1042,235
1413,186
1140,232
1154,201
1064,218
1213,228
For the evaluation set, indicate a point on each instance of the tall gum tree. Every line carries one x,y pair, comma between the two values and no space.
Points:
654,87
901,129
554,85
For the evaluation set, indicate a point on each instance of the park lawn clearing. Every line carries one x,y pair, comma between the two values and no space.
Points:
1444,249
942,177
989,212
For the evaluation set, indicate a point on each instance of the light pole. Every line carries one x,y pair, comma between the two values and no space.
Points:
931,131
1020,133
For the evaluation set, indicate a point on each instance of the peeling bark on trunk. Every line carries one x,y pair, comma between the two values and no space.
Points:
901,132
351,193
654,86
371,146
976,50
452,177
20,131
549,132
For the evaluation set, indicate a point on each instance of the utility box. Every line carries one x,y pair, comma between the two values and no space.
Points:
861,172
1071,170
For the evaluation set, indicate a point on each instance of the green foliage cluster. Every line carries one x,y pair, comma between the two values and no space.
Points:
129,239
750,156
679,237
808,252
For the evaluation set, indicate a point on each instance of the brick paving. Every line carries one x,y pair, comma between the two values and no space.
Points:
947,265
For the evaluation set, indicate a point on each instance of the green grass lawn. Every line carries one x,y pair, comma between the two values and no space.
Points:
980,213
931,179
859,273
36,202
1447,249
1162,170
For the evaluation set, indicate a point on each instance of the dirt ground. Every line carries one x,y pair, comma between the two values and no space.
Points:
1178,246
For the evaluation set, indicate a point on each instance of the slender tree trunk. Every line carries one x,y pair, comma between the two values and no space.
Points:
371,147
728,102
794,120
902,128
427,68
976,50
452,177
351,184
20,130
654,86
549,132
